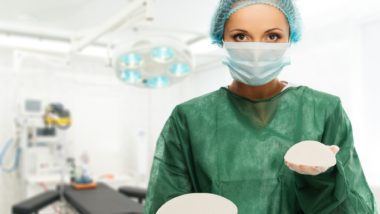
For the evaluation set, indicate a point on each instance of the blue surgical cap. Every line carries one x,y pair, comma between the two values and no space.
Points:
226,8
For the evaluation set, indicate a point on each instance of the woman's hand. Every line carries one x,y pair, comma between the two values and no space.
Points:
310,170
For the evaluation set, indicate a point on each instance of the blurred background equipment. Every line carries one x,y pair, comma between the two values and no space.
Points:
40,139
11,148
40,144
56,116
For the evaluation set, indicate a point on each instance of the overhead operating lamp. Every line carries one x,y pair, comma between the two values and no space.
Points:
153,62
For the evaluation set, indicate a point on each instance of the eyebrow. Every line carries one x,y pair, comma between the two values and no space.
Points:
273,29
265,31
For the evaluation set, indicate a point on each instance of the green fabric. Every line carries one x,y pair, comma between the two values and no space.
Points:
228,145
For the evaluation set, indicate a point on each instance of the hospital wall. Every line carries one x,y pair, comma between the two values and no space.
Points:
108,116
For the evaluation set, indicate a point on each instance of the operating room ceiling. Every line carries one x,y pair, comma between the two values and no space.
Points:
68,18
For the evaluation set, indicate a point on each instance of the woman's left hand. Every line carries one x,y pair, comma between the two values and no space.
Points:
310,170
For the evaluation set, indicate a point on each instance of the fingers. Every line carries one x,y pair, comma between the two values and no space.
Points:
316,170
305,170
335,149
296,168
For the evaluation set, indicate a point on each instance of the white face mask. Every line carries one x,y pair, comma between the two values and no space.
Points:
256,63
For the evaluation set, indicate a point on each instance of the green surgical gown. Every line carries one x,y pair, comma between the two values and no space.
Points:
231,146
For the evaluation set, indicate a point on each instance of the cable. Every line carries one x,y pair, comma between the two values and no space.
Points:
16,159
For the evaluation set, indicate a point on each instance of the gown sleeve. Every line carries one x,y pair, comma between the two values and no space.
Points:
169,175
342,188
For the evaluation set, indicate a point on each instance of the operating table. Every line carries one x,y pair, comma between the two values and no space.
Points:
101,200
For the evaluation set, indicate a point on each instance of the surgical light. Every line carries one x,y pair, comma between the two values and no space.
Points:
162,54
179,69
153,62
157,82
131,76
131,60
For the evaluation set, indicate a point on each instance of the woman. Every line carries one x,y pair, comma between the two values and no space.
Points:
231,142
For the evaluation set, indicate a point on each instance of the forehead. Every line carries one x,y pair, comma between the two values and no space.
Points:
257,15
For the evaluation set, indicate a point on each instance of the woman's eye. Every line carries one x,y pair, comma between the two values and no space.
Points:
273,37
239,37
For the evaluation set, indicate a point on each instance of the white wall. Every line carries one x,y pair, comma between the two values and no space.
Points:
371,98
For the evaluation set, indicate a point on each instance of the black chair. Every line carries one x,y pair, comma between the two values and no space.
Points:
36,203
133,192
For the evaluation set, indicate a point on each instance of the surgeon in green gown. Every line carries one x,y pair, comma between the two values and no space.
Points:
232,142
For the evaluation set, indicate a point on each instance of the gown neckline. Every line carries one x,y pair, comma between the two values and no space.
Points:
288,87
